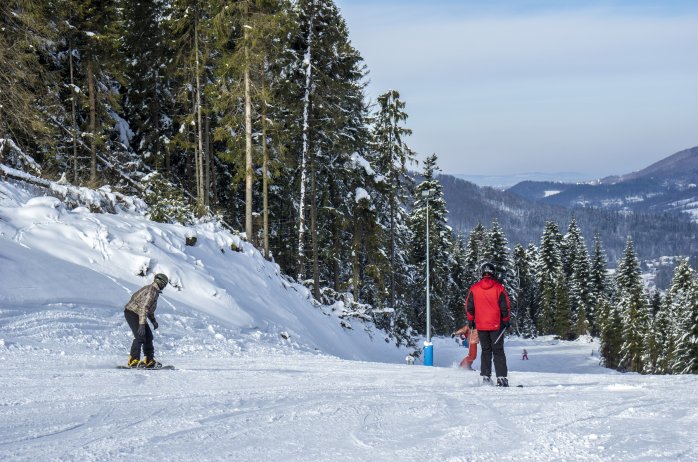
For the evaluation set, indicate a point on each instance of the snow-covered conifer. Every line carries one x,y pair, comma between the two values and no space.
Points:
633,307
683,311
548,271
440,244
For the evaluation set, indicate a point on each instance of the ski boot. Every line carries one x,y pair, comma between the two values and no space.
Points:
150,363
502,382
133,362
486,380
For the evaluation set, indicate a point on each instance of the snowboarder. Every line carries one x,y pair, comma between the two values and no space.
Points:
471,339
525,354
487,308
142,305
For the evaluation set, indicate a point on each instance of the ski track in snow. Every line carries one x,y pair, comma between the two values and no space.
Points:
302,406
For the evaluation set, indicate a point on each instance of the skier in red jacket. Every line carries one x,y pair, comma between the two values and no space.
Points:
487,308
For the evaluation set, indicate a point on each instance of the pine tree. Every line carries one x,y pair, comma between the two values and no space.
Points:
611,334
561,316
392,156
633,307
460,287
251,35
474,254
27,86
99,26
661,347
190,28
497,252
600,287
333,128
548,270
684,313
577,268
147,93
523,307
368,263
440,261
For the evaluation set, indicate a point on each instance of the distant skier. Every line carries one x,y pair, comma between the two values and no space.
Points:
487,308
525,354
142,305
470,338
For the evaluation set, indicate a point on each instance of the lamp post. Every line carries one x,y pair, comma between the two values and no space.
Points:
428,347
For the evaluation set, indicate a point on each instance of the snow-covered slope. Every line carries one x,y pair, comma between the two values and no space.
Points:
66,275
242,392
299,406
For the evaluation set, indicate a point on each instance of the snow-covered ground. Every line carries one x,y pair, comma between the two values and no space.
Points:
263,374
296,406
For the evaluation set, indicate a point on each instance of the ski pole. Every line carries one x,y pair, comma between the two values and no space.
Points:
500,335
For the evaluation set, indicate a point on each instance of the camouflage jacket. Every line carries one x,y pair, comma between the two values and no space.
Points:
144,302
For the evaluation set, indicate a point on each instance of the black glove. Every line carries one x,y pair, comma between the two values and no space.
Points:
141,330
471,324
154,323
506,324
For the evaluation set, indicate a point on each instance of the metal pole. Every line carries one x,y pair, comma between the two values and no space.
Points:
428,347
428,304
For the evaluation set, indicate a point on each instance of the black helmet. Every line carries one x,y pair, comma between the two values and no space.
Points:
487,268
161,280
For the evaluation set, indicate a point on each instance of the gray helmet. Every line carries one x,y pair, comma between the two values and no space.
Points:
487,268
161,280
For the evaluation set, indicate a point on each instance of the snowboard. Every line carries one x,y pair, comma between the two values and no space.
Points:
169,367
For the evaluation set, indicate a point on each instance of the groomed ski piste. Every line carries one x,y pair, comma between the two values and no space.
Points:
263,374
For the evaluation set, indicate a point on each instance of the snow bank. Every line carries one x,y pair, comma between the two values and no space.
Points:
61,266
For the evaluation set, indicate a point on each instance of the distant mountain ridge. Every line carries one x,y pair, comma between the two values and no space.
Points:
507,181
523,221
663,199
681,165
667,186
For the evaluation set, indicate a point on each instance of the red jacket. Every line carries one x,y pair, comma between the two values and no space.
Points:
487,304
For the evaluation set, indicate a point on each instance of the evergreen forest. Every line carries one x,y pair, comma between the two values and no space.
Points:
254,113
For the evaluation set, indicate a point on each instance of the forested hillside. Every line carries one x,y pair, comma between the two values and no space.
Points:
667,186
655,234
253,114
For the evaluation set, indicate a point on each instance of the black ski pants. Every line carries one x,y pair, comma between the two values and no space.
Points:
492,347
145,342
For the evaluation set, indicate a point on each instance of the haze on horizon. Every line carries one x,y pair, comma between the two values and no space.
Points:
598,87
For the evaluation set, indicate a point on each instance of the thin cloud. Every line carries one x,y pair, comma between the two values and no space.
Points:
599,84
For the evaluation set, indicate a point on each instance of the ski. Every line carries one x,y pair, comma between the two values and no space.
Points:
491,383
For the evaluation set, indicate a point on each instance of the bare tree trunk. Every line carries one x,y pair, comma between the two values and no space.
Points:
392,256
192,131
201,196
265,172
313,228
93,120
207,160
355,261
155,118
211,180
248,142
305,152
73,116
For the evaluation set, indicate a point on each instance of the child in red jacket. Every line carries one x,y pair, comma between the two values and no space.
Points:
472,338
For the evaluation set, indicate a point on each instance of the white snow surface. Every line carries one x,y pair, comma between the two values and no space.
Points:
242,391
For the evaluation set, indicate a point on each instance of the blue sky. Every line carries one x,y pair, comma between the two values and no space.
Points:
505,87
